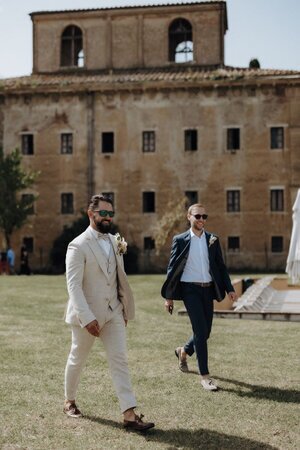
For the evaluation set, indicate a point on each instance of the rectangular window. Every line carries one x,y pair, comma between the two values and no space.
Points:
148,202
148,141
108,142
233,201
277,137
233,139
192,197
27,144
28,200
277,200
67,206
277,244
233,243
190,140
66,144
28,244
149,243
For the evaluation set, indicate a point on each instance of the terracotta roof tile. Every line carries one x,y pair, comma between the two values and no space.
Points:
156,77
160,5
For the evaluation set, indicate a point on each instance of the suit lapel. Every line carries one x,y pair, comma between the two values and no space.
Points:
98,252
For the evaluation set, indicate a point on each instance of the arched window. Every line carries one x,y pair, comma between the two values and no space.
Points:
180,41
72,47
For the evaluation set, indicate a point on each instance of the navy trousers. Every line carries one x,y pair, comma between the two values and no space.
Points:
200,308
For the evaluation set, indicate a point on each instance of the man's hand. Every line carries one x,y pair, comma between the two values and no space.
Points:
232,295
93,328
169,305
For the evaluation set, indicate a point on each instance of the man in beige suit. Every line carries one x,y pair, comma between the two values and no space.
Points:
100,304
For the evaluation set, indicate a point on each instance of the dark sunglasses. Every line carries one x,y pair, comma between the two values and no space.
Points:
104,213
198,216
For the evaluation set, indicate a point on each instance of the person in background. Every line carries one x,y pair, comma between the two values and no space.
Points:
11,260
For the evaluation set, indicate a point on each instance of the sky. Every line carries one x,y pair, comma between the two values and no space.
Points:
268,30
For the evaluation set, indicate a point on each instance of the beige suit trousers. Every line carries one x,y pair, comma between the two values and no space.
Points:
113,337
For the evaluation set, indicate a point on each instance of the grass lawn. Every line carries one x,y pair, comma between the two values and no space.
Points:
256,364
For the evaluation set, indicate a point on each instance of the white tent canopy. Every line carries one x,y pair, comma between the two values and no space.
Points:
293,260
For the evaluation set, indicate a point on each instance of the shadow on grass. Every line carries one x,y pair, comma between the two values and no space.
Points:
191,439
261,392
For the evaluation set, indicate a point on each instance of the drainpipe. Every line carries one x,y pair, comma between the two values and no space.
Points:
91,143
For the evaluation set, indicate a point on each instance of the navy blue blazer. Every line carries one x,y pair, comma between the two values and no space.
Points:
171,288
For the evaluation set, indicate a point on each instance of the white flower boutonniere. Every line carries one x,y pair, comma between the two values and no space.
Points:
121,244
212,239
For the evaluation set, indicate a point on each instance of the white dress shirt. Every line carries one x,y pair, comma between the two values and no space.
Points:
104,241
197,265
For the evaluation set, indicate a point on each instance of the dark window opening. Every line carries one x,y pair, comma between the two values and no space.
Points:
28,202
233,243
67,206
148,202
277,244
277,200
233,201
28,244
66,143
148,141
180,41
27,144
108,142
192,198
149,243
190,140
233,139
277,137
72,54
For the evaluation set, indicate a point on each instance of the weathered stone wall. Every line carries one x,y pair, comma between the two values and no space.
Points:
170,171
129,38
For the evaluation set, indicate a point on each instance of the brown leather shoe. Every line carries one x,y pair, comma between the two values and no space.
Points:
182,364
138,424
71,410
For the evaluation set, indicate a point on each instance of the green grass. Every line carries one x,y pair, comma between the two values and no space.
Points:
255,363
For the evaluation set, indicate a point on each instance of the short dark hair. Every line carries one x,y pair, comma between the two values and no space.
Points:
95,199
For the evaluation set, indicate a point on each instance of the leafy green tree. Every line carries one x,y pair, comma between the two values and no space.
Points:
14,208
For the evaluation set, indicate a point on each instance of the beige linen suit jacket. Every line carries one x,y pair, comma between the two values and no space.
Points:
87,281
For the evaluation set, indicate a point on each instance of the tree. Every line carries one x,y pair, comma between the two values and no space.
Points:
171,222
254,64
14,208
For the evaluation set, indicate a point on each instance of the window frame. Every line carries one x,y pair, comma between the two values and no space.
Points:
106,152
231,190
23,136
234,249
146,143
69,134
277,201
188,140
149,210
229,129
66,211
272,244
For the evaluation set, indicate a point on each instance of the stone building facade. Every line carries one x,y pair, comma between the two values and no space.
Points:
138,102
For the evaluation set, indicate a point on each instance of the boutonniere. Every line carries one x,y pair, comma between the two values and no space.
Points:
121,244
212,239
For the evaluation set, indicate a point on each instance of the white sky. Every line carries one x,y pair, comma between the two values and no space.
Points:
265,29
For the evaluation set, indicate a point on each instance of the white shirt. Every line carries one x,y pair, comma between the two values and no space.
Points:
104,243
197,265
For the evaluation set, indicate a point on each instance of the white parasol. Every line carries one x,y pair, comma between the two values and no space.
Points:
293,260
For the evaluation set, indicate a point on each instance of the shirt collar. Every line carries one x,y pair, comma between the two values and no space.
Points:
194,235
96,233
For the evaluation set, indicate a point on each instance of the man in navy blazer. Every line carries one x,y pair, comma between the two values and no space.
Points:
197,275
